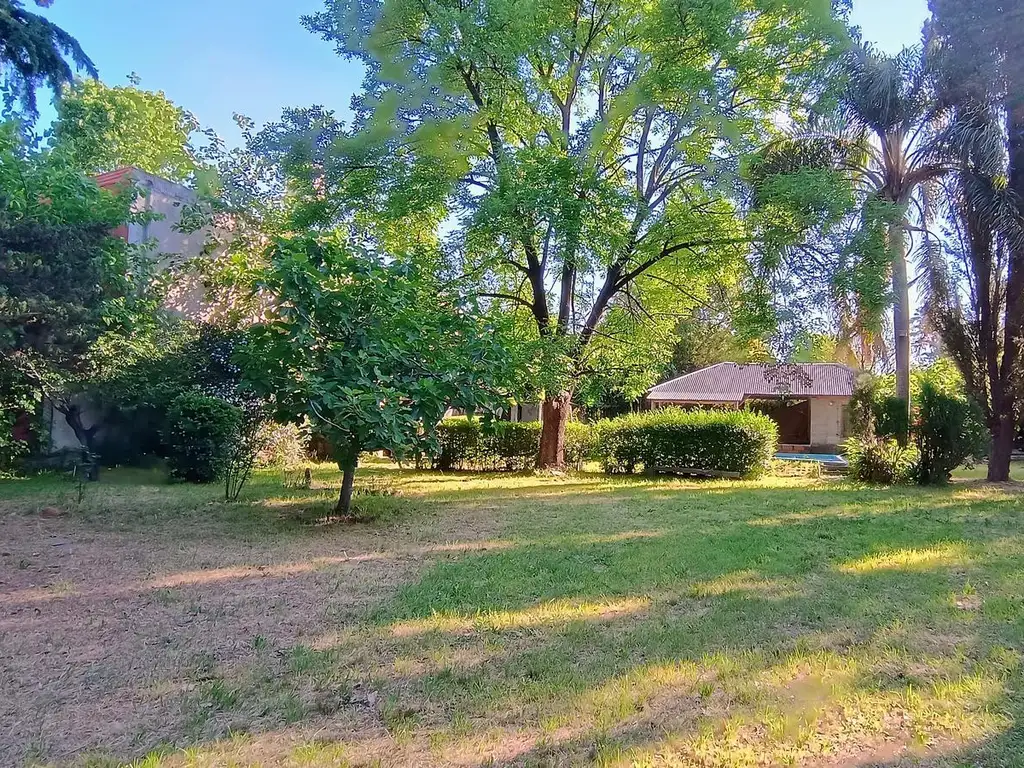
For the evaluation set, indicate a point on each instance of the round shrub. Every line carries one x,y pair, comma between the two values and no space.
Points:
740,442
198,434
881,461
949,431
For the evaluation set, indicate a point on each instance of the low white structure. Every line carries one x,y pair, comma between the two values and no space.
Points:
807,400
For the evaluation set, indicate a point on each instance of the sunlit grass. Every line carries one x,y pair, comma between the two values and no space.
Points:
589,620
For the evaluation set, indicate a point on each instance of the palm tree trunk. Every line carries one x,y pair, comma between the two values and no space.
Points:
900,309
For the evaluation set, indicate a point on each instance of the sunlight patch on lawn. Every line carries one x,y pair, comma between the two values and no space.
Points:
939,556
743,582
555,612
213,575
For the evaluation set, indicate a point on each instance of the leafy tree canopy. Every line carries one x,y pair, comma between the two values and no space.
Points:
373,351
64,280
103,128
34,52
586,151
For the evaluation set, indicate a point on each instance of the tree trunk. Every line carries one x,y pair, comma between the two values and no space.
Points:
901,312
348,476
73,417
555,415
1003,437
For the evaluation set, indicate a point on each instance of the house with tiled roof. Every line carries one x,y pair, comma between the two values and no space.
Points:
808,400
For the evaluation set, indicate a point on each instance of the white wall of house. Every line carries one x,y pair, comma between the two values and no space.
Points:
827,420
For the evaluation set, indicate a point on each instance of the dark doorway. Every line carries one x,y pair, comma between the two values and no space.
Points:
793,418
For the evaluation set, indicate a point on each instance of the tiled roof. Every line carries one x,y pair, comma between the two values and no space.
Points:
733,383
113,178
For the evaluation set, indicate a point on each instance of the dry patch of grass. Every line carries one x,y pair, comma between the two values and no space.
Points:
516,620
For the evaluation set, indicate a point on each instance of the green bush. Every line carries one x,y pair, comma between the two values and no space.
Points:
739,442
949,431
881,460
892,419
507,446
503,446
580,443
458,440
198,435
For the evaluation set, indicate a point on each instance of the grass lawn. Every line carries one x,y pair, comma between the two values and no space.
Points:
517,620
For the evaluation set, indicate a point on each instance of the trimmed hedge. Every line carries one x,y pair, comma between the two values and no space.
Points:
503,446
743,442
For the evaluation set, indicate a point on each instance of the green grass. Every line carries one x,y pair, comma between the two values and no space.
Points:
621,621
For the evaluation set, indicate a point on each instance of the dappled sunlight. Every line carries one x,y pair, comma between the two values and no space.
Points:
552,613
746,582
213,575
923,559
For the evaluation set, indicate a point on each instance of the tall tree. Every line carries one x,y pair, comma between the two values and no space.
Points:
103,128
64,280
889,144
34,51
585,151
977,300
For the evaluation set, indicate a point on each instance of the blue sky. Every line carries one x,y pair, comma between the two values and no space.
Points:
217,57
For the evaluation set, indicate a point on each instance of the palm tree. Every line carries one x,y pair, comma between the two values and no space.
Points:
888,109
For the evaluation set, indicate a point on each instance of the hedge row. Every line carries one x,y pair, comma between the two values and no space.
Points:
741,442
503,446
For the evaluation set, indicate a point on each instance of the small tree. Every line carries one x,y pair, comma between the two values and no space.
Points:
949,430
372,351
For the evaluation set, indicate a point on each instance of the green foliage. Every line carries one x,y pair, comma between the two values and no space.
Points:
199,434
372,351
64,280
892,419
34,51
723,441
949,430
102,128
136,378
580,443
19,402
585,156
881,460
494,446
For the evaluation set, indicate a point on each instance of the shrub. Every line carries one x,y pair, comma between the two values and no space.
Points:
892,420
509,446
881,460
739,442
198,435
459,440
503,446
948,430
580,443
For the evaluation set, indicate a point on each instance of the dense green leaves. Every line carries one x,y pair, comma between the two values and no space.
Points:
64,279
584,151
372,351
103,128
741,442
